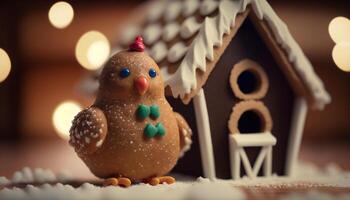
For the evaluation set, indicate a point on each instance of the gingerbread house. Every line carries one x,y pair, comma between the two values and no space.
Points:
234,71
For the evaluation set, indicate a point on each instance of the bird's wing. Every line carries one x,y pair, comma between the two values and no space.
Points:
88,131
185,134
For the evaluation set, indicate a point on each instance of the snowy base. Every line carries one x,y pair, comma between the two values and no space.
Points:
308,176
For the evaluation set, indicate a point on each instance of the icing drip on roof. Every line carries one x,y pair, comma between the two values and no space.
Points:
170,31
189,27
189,7
172,11
295,55
152,33
208,6
161,29
211,34
159,51
176,52
157,11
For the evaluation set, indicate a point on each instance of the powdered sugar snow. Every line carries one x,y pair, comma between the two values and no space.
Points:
185,188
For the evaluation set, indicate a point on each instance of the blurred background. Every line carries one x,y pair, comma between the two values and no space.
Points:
45,74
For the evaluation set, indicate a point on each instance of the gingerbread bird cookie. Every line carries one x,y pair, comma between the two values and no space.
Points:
130,133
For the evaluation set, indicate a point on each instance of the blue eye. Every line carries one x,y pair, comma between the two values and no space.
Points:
125,72
152,73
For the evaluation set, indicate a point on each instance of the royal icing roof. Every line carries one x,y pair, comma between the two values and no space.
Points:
198,39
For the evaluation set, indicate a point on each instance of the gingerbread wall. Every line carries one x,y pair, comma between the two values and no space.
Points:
220,100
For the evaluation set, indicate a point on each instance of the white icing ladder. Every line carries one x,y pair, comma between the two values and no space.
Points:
238,141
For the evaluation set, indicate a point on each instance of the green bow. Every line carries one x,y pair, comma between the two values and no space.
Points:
152,131
152,111
144,111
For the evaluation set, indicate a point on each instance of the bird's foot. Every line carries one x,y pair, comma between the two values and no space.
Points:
159,180
122,182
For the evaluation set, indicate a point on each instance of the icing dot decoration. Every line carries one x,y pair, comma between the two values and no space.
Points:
189,7
170,31
160,129
150,131
152,33
208,6
159,51
154,111
152,73
137,45
143,111
125,72
176,52
172,11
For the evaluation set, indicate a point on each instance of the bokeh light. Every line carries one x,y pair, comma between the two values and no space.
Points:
339,29
341,56
62,117
61,14
5,65
92,50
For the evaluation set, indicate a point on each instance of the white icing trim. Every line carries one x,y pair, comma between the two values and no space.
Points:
189,27
208,6
237,142
159,51
296,132
170,31
176,52
253,139
211,33
204,135
189,7
295,55
152,33
172,10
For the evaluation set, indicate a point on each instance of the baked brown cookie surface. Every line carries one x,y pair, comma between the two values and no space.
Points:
131,130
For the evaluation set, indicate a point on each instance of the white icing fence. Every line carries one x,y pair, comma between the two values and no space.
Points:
237,143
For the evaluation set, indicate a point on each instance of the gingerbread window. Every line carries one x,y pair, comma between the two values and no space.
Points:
248,80
250,117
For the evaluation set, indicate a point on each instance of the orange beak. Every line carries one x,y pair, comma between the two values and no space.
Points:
141,84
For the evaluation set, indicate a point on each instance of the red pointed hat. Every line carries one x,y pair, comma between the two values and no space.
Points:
137,45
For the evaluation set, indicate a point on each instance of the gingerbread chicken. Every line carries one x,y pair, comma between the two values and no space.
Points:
131,133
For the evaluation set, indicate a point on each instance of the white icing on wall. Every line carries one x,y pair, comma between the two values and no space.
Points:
189,27
170,31
159,51
189,7
176,52
172,11
152,33
208,6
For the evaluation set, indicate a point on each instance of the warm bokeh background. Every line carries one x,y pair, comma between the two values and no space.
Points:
45,73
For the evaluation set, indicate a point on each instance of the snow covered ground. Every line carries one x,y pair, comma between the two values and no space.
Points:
307,175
